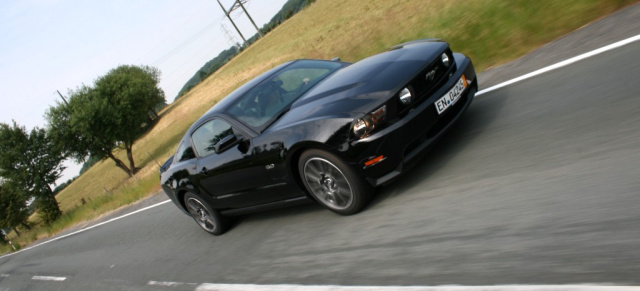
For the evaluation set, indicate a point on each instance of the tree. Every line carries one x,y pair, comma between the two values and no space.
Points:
134,88
31,163
113,113
14,209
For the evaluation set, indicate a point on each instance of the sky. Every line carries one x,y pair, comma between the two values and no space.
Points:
50,45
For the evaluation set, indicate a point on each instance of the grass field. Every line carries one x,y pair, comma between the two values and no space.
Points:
491,32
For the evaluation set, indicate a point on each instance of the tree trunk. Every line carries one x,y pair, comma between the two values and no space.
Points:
54,202
51,197
49,209
16,230
132,165
120,164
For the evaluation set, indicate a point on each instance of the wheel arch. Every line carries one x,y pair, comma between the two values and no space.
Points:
180,199
182,191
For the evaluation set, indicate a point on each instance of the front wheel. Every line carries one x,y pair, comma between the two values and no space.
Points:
208,218
333,183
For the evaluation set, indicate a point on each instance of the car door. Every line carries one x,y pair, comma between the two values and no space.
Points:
227,171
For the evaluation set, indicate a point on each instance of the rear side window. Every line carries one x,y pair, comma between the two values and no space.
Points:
184,152
208,135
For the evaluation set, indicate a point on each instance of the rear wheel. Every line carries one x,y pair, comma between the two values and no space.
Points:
208,218
333,183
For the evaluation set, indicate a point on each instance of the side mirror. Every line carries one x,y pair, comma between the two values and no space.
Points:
225,143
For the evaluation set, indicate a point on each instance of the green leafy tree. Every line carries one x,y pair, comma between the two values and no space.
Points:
14,209
72,126
113,113
31,163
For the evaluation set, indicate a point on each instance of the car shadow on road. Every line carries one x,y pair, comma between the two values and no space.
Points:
479,116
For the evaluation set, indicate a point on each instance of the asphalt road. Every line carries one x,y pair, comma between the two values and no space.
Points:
539,183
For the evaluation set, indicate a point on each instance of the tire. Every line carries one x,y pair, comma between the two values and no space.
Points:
207,218
333,183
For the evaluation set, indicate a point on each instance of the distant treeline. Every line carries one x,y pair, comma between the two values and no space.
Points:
209,68
288,9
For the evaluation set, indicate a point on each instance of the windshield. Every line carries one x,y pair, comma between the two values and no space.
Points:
266,101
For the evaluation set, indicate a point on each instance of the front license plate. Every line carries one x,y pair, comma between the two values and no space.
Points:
452,96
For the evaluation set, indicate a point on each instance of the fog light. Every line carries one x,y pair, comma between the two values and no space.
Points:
405,96
445,60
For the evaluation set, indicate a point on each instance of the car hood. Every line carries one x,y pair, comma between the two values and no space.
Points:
363,86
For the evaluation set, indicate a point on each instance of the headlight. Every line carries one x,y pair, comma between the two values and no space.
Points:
365,125
445,60
405,96
362,128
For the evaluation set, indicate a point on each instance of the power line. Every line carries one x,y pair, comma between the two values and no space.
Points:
197,35
177,28
236,5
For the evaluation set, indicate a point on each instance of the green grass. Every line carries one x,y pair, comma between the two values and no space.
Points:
99,205
491,32
7,248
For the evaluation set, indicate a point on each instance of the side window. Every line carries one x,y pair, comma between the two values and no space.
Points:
208,135
184,152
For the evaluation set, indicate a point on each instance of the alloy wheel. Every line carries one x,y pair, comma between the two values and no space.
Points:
328,184
201,215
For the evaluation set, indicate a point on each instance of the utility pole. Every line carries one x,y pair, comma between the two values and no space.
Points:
234,24
63,99
239,2
228,36
236,4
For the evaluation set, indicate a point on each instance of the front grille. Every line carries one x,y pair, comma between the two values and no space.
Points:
422,87
447,117
428,81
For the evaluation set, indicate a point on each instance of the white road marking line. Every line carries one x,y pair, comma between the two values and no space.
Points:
250,287
164,284
48,278
88,228
4,275
561,64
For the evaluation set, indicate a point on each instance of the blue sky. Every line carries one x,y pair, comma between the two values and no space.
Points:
61,44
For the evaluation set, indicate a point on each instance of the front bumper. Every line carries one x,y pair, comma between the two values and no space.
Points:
402,142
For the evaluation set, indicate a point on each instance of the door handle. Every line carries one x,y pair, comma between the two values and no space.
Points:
204,171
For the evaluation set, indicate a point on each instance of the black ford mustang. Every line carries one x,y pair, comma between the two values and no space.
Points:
329,131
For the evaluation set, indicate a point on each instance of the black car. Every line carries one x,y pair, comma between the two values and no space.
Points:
328,131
